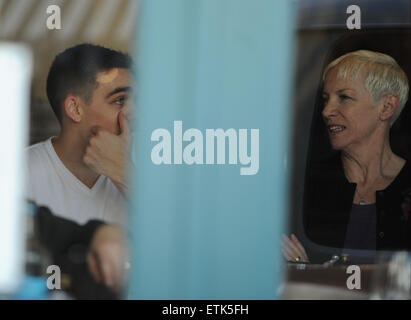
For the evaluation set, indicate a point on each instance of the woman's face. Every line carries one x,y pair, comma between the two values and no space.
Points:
350,115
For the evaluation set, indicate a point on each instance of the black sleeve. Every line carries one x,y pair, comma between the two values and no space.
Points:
59,235
68,243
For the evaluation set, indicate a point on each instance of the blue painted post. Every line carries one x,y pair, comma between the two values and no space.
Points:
206,231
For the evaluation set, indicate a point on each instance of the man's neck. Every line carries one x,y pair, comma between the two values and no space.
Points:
70,148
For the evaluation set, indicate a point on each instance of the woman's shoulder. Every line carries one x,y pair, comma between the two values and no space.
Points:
405,168
402,180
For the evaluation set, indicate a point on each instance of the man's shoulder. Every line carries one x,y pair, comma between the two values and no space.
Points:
37,152
35,147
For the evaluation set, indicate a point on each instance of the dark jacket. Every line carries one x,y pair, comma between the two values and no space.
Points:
68,243
328,199
60,235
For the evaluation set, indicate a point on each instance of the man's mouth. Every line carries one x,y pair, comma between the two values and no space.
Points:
335,128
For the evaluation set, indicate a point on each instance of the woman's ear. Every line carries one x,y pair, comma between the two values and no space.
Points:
73,108
390,105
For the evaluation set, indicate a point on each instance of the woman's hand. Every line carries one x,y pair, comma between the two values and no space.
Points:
293,249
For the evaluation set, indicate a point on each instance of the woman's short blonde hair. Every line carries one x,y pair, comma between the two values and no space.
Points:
383,75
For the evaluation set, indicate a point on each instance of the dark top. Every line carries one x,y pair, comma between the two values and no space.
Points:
68,244
328,201
361,229
59,235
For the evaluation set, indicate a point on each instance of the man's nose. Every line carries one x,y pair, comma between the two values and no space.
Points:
128,112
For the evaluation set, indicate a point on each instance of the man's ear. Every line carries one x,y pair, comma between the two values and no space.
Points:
389,106
73,108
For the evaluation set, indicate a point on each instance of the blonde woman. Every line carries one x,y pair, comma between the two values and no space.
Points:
357,199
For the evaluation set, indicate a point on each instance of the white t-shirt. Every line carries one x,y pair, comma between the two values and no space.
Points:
51,184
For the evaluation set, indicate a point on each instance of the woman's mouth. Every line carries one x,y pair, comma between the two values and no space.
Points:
335,128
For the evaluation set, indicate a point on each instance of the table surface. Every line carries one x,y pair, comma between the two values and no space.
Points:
308,281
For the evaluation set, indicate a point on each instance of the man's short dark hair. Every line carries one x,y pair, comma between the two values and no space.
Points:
75,69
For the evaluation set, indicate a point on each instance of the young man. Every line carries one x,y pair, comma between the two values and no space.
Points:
81,174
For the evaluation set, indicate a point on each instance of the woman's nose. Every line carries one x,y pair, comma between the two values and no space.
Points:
329,109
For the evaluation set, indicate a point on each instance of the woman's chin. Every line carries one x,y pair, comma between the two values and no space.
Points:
335,145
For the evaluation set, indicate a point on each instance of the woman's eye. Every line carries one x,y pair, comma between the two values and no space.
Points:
344,97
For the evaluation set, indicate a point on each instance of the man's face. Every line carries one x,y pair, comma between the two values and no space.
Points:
112,96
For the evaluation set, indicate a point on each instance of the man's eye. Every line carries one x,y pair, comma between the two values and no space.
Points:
120,101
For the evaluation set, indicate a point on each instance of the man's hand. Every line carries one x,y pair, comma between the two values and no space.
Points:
109,154
107,257
293,250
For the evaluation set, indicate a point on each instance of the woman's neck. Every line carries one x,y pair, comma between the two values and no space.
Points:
377,165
